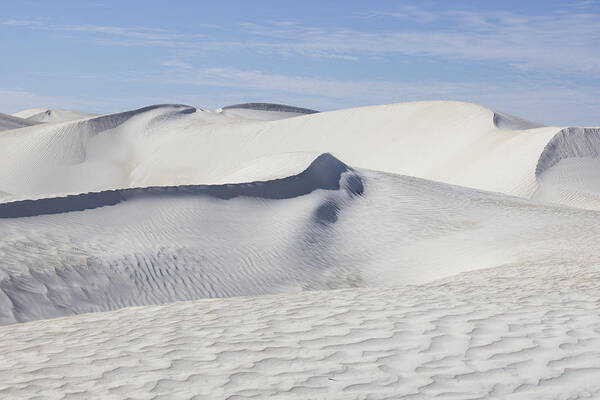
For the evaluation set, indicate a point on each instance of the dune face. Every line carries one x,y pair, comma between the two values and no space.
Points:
457,143
189,262
265,111
186,179
8,122
271,107
429,249
175,243
509,122
567,170
51,115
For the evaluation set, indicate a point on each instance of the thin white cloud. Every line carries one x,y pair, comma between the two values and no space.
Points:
558,42
21,22
583,5
175,63
131,35
564,43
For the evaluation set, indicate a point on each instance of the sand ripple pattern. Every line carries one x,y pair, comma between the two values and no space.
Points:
484,334
171,244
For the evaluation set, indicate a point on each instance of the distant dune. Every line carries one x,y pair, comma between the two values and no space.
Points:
265,111
8,122
510,122
51,115
452,142
271,107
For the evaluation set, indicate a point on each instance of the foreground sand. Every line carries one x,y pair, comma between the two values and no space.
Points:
519,332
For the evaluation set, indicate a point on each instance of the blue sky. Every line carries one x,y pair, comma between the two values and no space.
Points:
536,59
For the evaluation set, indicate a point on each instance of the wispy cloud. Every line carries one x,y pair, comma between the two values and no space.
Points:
21,22
131,35
558,42
565,42
175,63
583,4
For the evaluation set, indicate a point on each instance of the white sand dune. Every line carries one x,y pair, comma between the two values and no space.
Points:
509,122
264,111
452,142
518,332
52,115
568,171
327,227
379,283
8,122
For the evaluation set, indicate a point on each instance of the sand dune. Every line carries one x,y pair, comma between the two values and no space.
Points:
451,142
518,332
370,272
8,122
51,115
567,171
264,111
509,122
330,226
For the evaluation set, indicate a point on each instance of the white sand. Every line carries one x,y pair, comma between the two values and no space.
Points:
517,332
52,115
8,122
363,283
182,243
451,142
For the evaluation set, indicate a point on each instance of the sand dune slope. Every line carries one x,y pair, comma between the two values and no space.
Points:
452,142
8,122
329,227
519,332
362,279
568,170
52,115
264,111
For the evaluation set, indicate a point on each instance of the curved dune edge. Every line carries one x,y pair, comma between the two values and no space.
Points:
517,331
509,122
264,111
572,142
9,122
284,272
271,107
171,145
44,115
567,171
323,173
331,227
86,273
